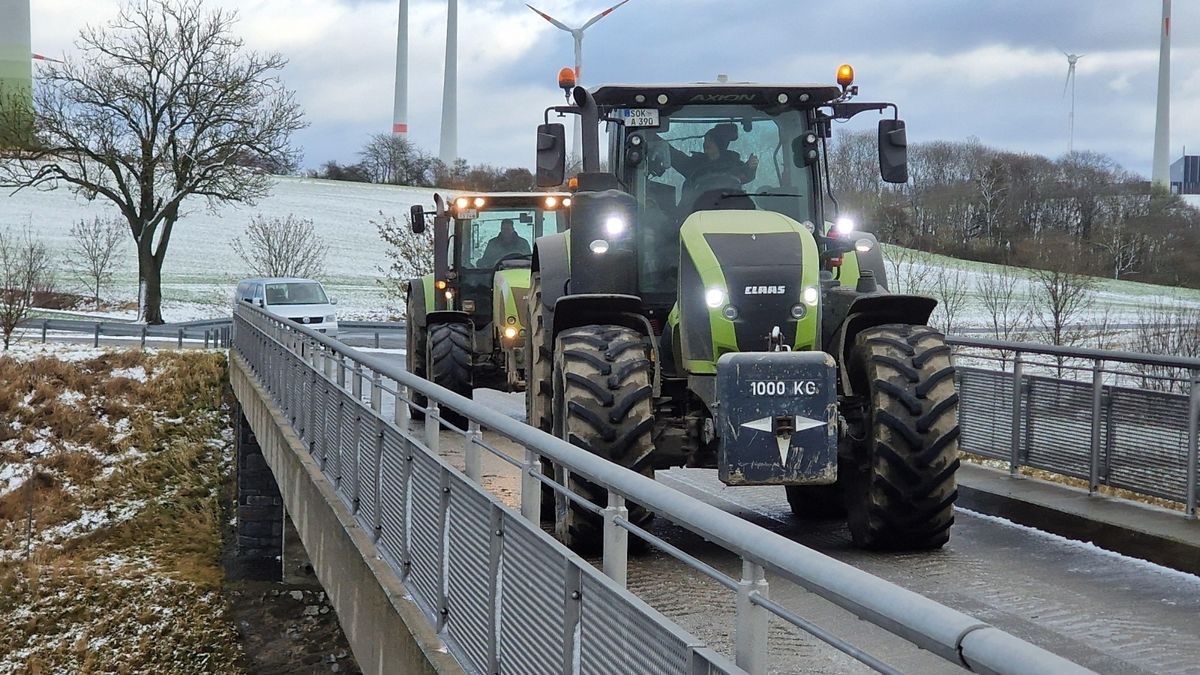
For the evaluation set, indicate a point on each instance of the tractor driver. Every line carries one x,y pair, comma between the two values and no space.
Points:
506,243
715,160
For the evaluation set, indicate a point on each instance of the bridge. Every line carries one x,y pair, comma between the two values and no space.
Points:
427,537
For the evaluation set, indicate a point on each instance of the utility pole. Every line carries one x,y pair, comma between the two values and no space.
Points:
1160,176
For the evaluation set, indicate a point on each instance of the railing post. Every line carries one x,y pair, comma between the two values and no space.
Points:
1193,444
341,371
572,614
207,333
401,413
180,343
616,539
443,528
96,336
472,453
1097,420
750,650
377,506
44,323
433,426
376,392
356,383
531,488
1014,462
376,339
143,336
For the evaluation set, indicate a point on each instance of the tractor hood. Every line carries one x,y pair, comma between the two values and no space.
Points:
741,275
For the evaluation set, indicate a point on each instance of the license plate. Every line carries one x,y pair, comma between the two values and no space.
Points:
783,388
468,214
639,117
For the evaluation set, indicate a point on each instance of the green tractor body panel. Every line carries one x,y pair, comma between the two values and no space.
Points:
758,265
427,282
511,298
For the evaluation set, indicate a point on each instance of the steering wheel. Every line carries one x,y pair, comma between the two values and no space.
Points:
510,256
708,190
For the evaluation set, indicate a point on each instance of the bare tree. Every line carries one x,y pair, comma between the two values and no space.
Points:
1059,300
1005,302
388,158
92,256
949,288
909,270
282,247
1170,328
24,268
161,104
409,255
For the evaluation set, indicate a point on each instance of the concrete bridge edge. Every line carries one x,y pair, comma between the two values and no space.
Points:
386,630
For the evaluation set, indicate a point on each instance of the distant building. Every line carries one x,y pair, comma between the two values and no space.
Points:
1185,175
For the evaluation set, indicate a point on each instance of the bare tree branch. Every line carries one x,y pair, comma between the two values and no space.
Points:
282,247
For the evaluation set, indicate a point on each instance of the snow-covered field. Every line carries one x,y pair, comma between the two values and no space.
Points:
201,268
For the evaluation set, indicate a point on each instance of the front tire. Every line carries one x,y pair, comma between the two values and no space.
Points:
539,383
901,449
449,363
603,404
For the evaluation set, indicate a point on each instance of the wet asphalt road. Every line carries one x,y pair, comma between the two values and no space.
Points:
1109,612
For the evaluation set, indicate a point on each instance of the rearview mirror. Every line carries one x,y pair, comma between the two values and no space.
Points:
804,149
551,154
333,301
893,151
417,218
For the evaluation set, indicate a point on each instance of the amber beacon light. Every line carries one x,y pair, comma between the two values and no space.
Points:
845,75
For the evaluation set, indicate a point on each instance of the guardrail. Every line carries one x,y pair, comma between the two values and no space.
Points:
506,596
1120,419
214,333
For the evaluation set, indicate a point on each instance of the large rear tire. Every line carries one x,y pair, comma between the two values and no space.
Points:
901,449
539,382
603,404
449,363
414,359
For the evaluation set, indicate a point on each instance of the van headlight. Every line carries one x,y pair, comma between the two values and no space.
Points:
331,318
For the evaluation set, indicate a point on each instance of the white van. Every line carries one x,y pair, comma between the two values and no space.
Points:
301,300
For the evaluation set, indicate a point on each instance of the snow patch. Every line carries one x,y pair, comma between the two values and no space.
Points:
1086,546
137,373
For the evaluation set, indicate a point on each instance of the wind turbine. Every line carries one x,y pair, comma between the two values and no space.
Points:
448,152
577,34
400,103
1072,59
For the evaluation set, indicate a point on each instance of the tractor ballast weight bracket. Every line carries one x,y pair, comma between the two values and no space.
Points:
777,418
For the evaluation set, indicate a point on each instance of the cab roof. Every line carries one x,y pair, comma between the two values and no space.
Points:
507,195
714,93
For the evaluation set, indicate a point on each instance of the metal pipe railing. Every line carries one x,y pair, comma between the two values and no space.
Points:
952,635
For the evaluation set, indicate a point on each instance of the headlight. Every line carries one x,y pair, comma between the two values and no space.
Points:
811,295
863,245
599,246
730,312
714,297
510,332
449,294
798,311
843,226
331,318
614,225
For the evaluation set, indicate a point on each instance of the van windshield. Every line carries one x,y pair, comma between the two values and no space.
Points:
296,293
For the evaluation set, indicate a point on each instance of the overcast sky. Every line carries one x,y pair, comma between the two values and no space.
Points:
958,68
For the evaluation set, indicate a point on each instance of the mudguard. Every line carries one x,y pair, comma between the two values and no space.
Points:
449,316
778,418
866,311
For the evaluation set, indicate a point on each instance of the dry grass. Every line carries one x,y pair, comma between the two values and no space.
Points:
124,573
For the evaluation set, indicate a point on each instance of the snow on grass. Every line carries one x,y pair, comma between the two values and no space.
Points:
137,373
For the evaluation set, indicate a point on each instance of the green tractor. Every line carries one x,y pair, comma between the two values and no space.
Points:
466,321
708,307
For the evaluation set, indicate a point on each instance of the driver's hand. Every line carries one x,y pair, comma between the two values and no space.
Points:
752,163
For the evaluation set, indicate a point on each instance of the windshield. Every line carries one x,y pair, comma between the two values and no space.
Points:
496,234
296,293
709,157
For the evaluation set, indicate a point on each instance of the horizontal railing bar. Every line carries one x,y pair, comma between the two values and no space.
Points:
823,635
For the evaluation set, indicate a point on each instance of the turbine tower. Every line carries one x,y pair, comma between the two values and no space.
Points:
577,34
449,147
16,69
1072,59
400,104
1160,175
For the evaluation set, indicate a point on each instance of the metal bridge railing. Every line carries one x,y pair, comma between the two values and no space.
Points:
1120,419
507,597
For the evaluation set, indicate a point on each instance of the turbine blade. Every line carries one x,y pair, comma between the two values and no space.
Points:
601,15
1070,72
552,20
